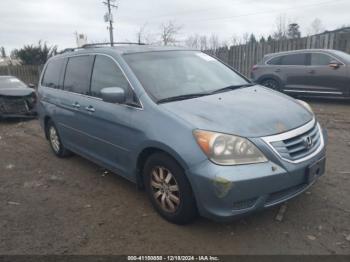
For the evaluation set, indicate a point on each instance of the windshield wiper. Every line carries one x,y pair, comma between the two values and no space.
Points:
231,87
189,96
181,97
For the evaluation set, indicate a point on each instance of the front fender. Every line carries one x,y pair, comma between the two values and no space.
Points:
152,144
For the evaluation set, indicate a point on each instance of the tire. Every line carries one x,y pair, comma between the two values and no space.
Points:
55,141
271,83
162,176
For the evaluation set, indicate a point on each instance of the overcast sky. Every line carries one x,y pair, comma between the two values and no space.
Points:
55,21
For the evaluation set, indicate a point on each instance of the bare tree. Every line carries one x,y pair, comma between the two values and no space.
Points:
316,27
203,42
281,28
193,41
214,42
234,40
169,31
245,38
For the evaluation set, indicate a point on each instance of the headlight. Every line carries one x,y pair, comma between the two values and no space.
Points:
225,149
306,105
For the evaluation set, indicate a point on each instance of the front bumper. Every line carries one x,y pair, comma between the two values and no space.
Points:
225,192
28,115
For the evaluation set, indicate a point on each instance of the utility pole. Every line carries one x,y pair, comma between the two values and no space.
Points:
109,18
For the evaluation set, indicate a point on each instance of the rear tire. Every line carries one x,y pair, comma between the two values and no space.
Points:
169,190
271,83
55,141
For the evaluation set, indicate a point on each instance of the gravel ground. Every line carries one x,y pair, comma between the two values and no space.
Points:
69,206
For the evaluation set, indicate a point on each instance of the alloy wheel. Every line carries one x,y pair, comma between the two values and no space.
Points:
165,189
54,140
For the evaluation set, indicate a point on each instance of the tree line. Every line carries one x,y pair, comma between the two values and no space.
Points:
169,33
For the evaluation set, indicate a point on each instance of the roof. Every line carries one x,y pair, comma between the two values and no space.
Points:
300,51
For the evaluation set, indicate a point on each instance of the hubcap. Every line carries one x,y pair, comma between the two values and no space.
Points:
55,142
165,189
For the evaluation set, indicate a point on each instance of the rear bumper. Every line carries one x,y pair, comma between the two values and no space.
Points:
224,193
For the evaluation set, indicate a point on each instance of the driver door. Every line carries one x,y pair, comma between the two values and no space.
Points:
324,78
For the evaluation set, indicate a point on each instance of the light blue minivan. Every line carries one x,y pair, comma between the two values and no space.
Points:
198,136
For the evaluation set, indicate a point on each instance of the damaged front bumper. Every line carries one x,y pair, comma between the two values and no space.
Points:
224,193
17,107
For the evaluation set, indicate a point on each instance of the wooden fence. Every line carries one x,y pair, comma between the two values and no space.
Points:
244,57
27,73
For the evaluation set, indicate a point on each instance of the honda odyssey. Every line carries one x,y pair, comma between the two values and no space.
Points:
199,137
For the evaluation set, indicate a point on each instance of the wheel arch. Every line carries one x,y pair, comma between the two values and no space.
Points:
46,121
149,150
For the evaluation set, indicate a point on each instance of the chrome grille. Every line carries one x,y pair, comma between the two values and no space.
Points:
299,144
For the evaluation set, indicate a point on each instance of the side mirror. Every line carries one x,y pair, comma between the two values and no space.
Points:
31,86
334,64
113,95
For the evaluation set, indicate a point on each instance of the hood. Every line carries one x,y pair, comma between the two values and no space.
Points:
20,91
249,112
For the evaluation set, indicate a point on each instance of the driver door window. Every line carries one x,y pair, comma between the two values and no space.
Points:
318,59
106,73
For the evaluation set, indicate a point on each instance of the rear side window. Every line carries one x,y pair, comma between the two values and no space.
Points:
52,73
295,59
274,61
78,74
318,59
106,73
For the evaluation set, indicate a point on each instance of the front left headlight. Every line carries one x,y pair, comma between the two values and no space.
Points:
226,149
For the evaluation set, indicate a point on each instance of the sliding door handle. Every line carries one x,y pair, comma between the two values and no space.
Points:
90,109
76,105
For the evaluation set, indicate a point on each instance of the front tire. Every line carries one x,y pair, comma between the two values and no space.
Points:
169,190
55,141
271,83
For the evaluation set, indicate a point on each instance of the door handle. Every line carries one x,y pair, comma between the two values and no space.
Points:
312,72
90,109
278,70
76,105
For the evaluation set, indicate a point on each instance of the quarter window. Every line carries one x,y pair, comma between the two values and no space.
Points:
78,74
318,59
107,74
295,59
274,61
52,73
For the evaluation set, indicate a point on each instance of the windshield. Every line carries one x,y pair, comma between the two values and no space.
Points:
168,74
11,82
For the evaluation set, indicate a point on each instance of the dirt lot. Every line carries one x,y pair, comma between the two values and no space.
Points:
68,206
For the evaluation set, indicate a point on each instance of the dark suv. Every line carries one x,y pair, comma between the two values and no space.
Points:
311,72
